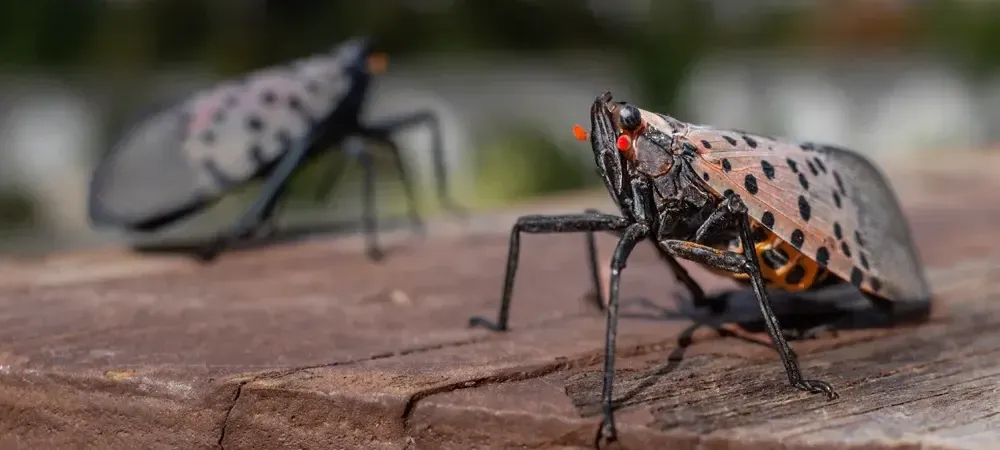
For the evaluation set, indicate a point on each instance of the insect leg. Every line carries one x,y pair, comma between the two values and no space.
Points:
412,211
682,275
723,212
389,126
632,235
354,146
773,327
329,179
569,223
738,263
253,217
595,275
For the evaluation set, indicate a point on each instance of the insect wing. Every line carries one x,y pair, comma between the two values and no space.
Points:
195,150
833,205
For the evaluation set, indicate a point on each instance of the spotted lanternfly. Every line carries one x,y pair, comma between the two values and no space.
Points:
815,215
268,124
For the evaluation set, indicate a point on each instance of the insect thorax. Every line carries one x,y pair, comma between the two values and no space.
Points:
781,264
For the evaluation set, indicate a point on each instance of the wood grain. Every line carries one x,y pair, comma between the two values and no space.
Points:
310,345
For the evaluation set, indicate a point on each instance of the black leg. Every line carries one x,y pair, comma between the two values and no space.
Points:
632,235
261,209
389,126
773,327
569,223
329,179
416,223
682,275
725,210
703,254
738,263
369,214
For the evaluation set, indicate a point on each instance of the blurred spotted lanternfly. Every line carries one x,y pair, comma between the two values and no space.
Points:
815,215
268,124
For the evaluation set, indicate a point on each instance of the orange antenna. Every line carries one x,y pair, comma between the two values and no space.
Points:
579,133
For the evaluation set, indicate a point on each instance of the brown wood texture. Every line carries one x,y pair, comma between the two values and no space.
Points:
310,345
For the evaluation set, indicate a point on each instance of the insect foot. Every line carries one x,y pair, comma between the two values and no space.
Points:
478,321
606,433
817,387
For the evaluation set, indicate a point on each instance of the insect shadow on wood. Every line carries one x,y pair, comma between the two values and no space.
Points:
815,216
183,158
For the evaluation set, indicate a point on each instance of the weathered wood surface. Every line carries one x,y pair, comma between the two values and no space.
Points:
312,346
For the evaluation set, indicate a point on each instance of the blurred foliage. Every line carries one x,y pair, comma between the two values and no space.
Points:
525,162
230,36
18,211
659,45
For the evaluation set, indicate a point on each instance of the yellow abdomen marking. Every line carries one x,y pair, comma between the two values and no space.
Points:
781,265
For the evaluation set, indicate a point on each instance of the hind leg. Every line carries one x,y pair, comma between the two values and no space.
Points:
261,210
386,127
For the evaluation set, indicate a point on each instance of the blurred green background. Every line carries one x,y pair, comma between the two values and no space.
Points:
509,79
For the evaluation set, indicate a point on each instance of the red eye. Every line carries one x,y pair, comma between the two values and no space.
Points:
624,143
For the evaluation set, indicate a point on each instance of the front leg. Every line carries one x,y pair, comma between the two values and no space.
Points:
261,210
632,235
569,223
680,273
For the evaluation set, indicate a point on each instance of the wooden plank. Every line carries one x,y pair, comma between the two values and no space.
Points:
310,345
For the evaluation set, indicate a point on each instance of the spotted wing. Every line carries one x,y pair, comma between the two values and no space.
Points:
187,154
830,203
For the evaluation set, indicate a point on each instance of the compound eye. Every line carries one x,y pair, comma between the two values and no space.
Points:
629,117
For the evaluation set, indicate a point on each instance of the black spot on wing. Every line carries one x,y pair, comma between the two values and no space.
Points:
845,249
864,261
772,260
208,137
750,183
706,144
795,275
840,183
823,256
856,277
805,210
254,123
767,168
793,165
803,181
726,165
750,141
704,175
820,165
836,199
798,238
812,167
837,231
268,97
730,140
767,219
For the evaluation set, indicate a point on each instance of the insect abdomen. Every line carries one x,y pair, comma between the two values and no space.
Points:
782,265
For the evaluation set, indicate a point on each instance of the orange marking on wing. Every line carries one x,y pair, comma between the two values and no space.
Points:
579,133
